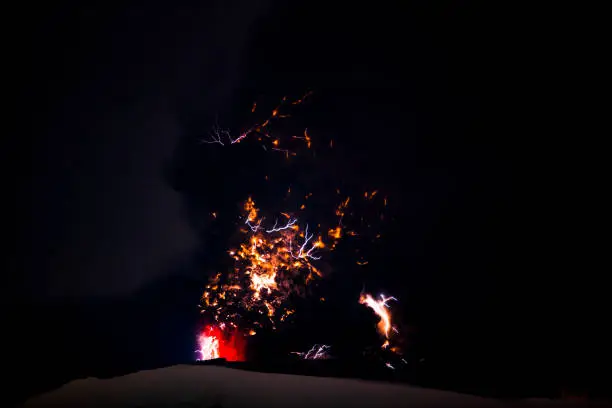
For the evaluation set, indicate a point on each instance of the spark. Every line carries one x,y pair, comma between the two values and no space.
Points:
301,100
286,315
306,137
340,211
286,151
369,196
317,352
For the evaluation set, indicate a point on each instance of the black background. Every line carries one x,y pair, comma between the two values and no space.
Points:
433,104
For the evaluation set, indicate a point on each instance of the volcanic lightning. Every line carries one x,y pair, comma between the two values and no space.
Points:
218,135
221,341
317,352
209,345
270,265
381,308
271,262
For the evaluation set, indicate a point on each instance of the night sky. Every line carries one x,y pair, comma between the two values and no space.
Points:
113,241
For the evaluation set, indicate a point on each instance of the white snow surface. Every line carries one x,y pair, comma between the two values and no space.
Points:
221,387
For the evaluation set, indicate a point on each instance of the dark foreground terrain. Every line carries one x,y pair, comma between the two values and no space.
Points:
206,386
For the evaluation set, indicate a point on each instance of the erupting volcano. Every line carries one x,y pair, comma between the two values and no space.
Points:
276,257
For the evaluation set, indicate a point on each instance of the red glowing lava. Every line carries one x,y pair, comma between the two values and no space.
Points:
216,342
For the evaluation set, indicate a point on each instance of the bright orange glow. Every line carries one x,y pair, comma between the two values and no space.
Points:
249,207
381,309
335,232
273,262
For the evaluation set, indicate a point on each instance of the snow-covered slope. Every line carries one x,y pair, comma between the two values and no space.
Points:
210,386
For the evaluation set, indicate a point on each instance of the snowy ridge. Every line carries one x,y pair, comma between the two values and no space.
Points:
210,386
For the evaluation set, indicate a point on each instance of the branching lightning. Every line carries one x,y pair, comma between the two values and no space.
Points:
317,352
289,224
267,270
218,135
